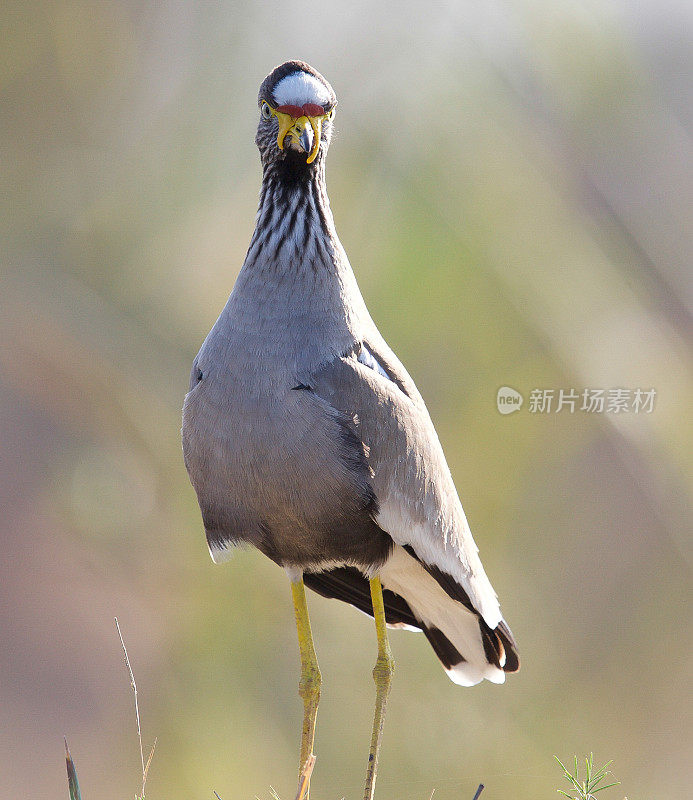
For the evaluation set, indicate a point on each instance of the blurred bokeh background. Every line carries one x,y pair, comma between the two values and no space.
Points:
513,182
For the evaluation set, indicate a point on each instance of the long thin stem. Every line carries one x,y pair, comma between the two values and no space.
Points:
145,769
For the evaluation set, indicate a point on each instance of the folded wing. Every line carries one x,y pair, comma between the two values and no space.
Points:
434,566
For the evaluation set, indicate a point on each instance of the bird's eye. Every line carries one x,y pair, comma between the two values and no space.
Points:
266,111
330,114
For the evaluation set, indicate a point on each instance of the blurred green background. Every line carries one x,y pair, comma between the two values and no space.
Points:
513,184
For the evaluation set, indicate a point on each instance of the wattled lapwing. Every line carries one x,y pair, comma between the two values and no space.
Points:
304,435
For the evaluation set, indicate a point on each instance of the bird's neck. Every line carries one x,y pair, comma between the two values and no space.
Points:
296,296
294,228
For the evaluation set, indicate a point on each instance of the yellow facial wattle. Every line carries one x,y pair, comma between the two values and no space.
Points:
297,128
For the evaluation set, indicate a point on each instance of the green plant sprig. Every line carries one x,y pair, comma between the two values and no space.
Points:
587,788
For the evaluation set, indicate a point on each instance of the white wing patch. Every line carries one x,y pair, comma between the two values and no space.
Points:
367,358
394,519
403,575
300,88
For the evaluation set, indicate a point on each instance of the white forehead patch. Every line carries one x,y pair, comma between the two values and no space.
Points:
300,88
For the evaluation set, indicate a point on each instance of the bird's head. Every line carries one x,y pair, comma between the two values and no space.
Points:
296,109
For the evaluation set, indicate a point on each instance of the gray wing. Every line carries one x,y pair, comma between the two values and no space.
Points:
418,505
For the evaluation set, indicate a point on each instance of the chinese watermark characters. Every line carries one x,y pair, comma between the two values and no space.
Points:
571,401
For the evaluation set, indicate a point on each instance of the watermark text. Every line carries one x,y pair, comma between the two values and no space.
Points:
617,400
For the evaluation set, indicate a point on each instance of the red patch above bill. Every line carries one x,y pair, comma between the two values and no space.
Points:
307,110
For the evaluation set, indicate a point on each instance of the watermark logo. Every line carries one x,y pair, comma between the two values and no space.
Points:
508,400
569,401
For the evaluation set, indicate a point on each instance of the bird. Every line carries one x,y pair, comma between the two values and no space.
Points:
305,437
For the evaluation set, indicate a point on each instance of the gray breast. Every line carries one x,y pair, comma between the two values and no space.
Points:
273,464
284,472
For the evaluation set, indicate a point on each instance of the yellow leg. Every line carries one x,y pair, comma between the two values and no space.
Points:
382,675
308,687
